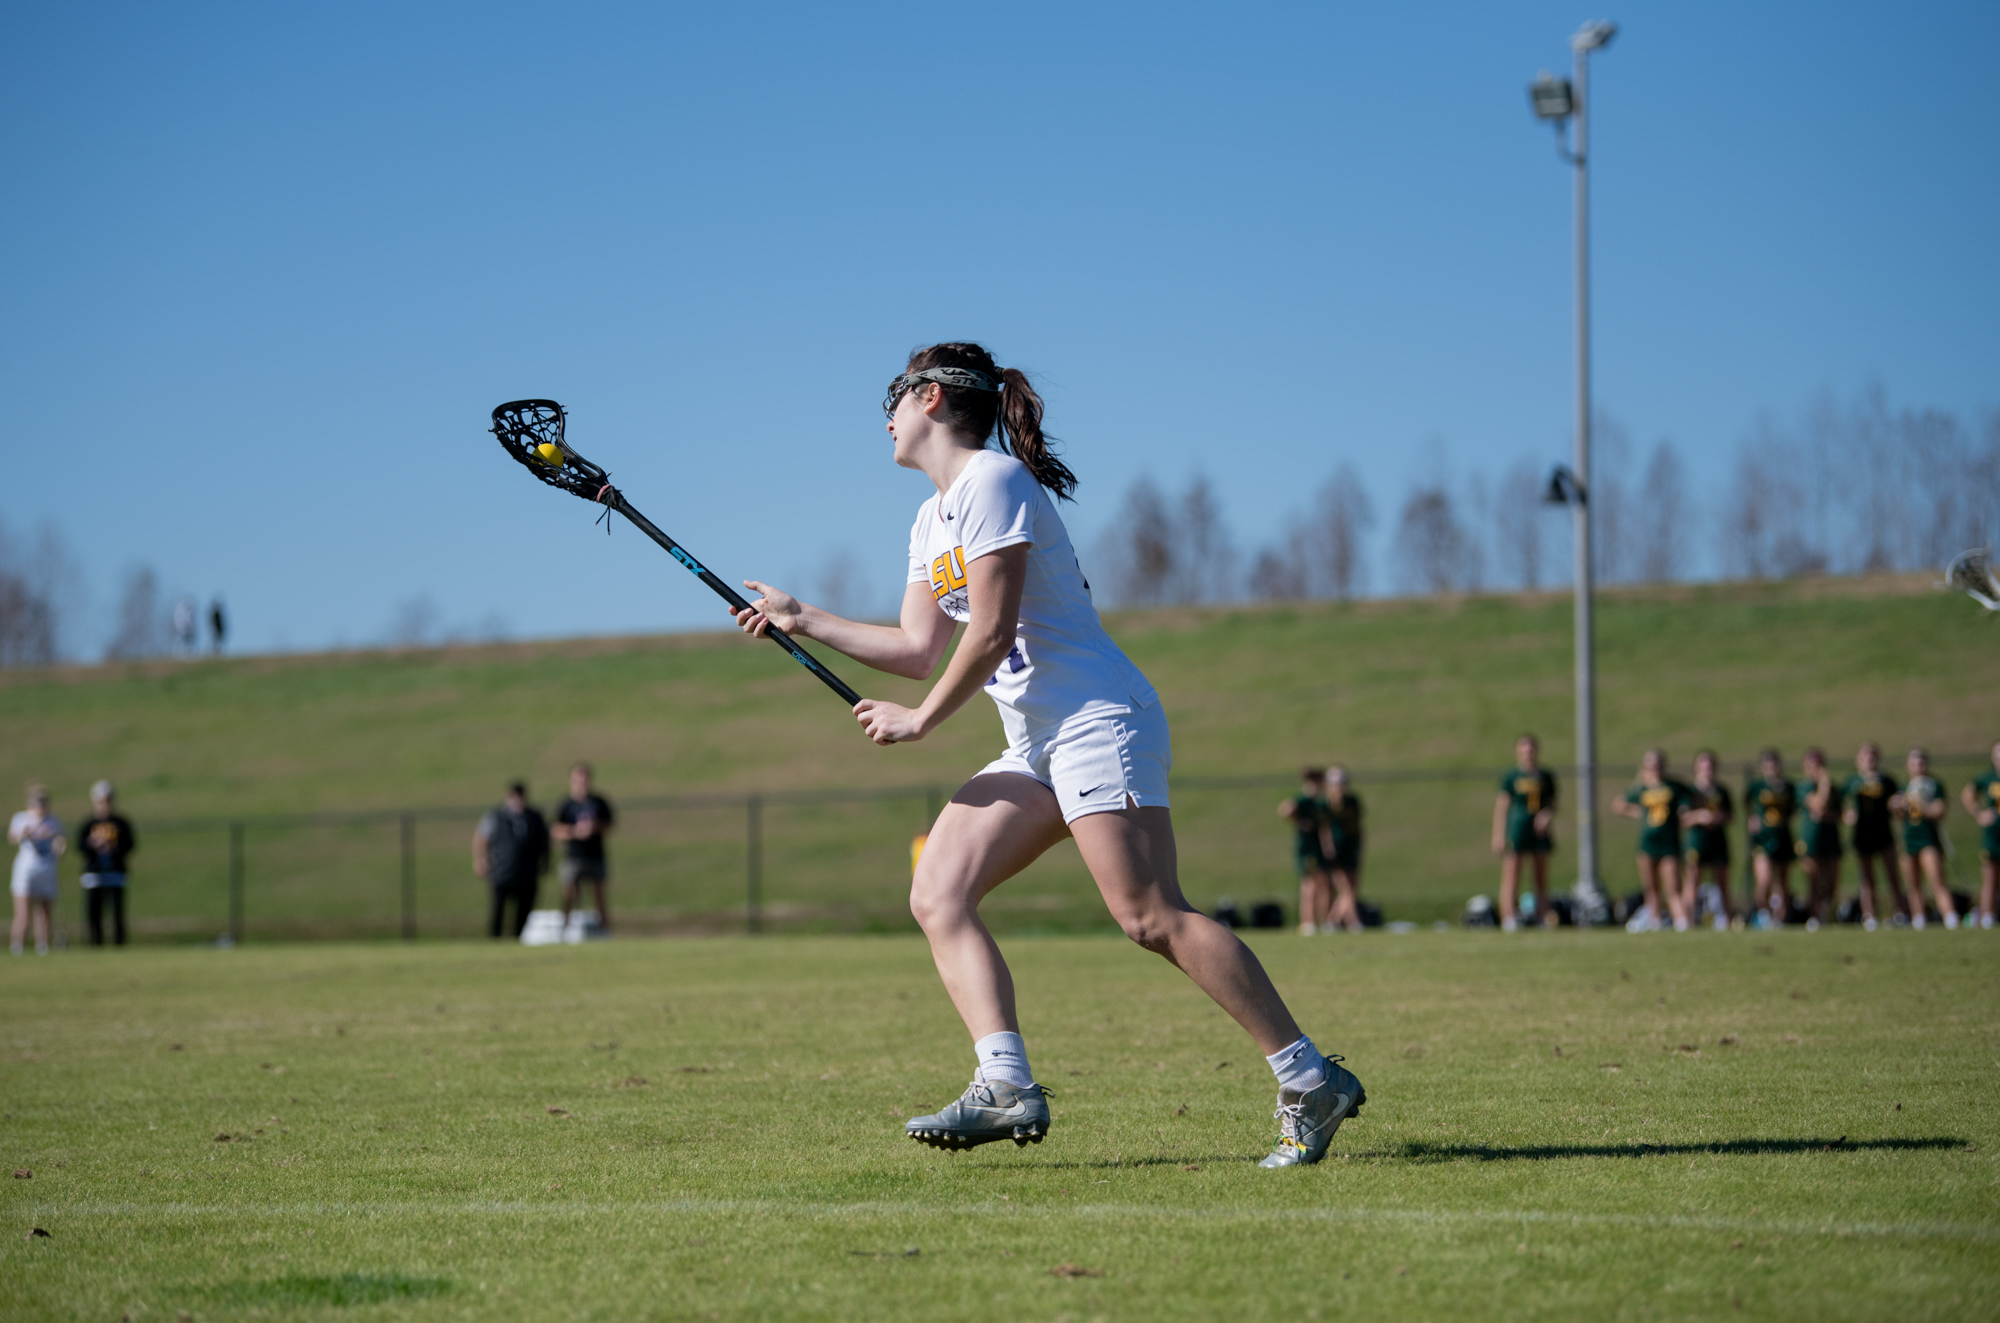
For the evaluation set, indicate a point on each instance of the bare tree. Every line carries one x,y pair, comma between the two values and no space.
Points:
415,622
1518,511
1611,530
1203,562
1341,517
142,629
1660,523
1278,574
1435,552
32,583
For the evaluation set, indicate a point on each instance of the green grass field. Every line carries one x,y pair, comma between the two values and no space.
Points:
1251,691
1581,1126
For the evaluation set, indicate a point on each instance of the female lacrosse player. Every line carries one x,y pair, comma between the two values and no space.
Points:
1982,801
1869,791
1769,802
1708,841
1344,868
1923,806
1523,813
1087,747
1312,847
1658,801
39,834
1819,837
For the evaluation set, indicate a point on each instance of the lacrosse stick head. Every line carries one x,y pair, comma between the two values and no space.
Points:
1971,572
532,432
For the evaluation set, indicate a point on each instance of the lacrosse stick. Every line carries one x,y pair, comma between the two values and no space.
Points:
532,432
1972,574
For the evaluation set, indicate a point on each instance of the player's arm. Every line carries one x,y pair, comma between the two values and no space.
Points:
479,865
1547,817
910,648
993,584
1625,808
1983,816
1935,809
1499,821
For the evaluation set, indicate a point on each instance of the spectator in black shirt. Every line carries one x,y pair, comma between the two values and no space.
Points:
105,840
581,824
510,849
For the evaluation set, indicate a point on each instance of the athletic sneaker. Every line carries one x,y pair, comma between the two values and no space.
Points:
1917,921
1868,925
1951,921
1306,1121
985,1113
1510,925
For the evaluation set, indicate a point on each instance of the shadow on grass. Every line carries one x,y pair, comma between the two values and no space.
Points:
341,1290
1419,1151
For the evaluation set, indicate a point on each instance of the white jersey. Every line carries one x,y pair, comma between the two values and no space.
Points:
1062,665
36,857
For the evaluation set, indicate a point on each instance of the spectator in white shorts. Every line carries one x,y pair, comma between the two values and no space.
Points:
39,835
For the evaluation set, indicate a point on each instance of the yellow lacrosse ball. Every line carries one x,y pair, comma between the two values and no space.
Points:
550,454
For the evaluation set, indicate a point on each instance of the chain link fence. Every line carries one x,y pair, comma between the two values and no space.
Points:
830,860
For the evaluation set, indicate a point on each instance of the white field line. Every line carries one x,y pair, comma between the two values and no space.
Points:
1967,1231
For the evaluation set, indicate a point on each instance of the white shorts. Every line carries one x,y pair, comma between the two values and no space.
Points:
1097,765
36,883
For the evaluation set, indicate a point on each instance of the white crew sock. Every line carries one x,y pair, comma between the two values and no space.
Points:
1299,1067
1003,1059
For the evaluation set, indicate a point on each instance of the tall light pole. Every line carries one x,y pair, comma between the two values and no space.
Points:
1561,100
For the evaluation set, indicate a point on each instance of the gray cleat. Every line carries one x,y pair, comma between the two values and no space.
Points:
985,1113
1306,1121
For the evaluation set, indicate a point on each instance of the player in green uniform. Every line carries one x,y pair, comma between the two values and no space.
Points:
1769,801
1819,837
1312,847
1707,823
1922,807
1868,794
1658,801
1523,813
1982,801
1344,867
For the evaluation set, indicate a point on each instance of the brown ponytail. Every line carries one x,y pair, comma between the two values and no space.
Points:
1015,407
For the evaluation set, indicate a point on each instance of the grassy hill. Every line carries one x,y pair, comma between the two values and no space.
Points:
1252,691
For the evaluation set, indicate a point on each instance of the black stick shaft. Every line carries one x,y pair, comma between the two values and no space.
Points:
778,636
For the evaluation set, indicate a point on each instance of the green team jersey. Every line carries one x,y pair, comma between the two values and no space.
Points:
1528,793
1661,807
1346,820
1819,837
1869,793
1919,832
1713,841
1986,794
1309,815
1768,807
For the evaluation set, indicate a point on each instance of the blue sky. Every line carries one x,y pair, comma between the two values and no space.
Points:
267,268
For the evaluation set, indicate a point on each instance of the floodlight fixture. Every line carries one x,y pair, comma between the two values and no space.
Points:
1594,35
1552,97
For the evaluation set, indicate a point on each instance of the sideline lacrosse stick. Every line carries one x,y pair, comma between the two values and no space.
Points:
532,432
1972,574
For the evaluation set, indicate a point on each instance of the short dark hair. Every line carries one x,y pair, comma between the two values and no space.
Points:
1312,774
518,788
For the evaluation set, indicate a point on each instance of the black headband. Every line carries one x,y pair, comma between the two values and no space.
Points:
948,376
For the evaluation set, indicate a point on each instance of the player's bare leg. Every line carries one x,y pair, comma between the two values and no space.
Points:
1913,894
1538,867
1131,855
1989,885
1315,901
1932,862
1864,866
1510,888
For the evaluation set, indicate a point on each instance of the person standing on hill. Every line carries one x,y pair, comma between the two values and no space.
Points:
1769,803
582,823
1922,806
39,835
1657,801
1523,814
1344,868
1869,792
1819,832
1312,848
1982,801
105,841
510,849
1087,748
1713,807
